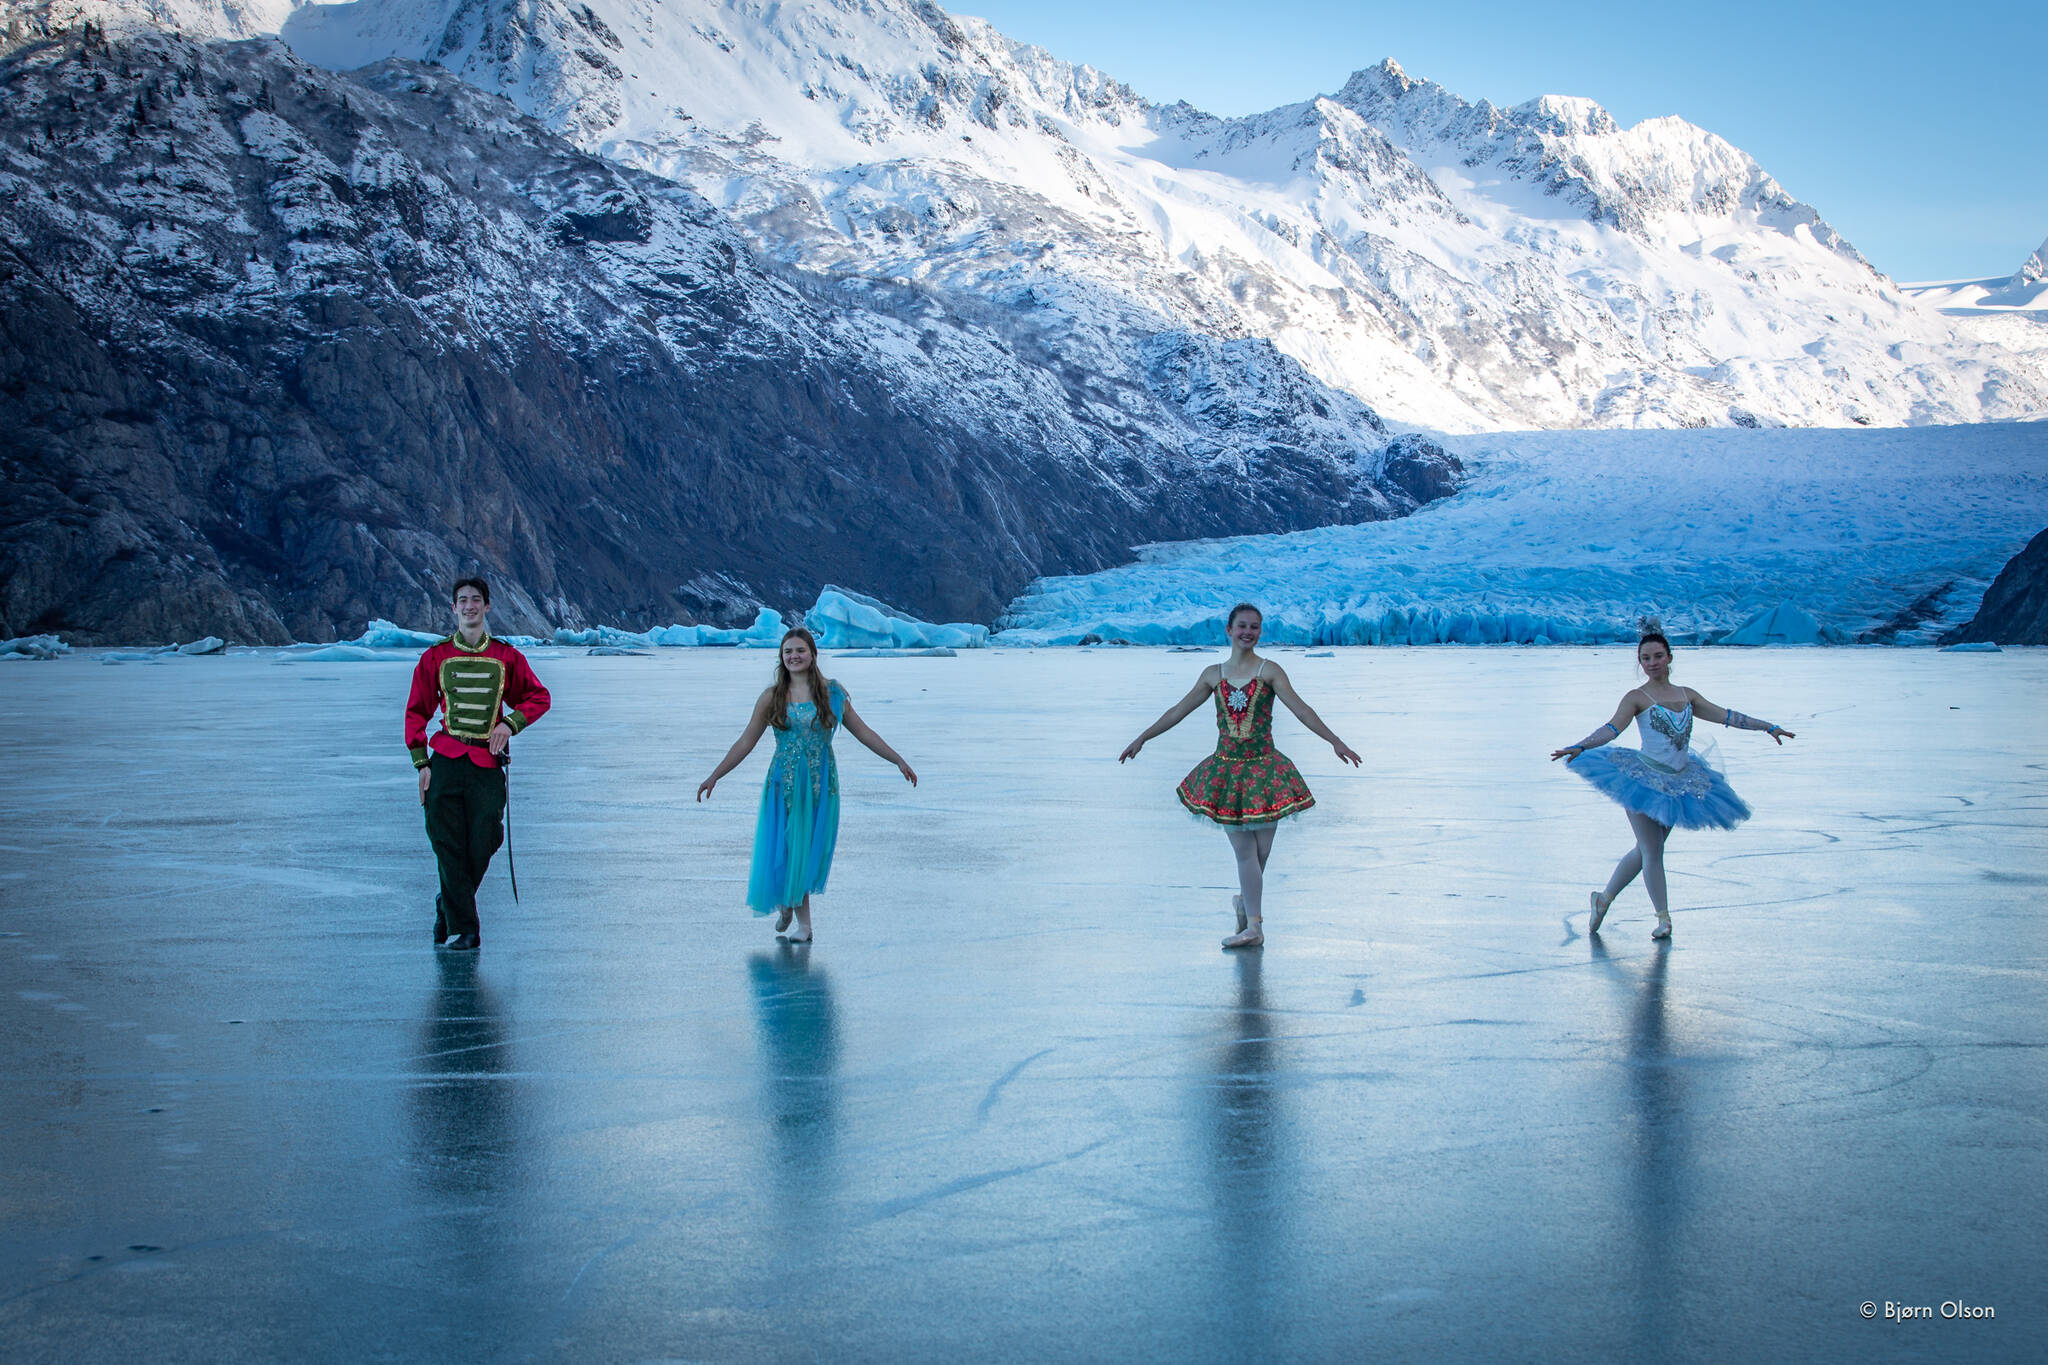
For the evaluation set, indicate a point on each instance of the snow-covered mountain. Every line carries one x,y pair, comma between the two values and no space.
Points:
2023,291
1455,264
2005,310
283,349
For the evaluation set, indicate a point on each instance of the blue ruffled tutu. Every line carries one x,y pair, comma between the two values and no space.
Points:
1692,797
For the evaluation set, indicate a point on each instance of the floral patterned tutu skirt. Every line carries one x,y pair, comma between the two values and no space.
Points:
1245,783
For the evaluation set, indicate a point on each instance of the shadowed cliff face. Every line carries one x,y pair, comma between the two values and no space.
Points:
281,350
2015,609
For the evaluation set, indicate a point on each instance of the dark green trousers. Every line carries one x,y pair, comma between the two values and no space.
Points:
466,823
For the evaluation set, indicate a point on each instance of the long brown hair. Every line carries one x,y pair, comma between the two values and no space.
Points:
821,690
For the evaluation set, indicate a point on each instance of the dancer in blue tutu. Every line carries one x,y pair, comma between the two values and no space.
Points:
799,823
1664,785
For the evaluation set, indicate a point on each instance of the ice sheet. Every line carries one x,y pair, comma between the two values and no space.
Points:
1572,537
1016,1103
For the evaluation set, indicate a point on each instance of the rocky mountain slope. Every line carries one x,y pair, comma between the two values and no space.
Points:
2015,606
283,349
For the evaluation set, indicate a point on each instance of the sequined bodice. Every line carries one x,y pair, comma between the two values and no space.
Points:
803,752
1666,735
1244,714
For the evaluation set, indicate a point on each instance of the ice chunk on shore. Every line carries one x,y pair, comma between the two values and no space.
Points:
766,632
382,634
606,637
851,620
335,654
33,647
1783,624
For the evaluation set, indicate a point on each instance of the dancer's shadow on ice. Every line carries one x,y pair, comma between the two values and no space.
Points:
1656,1123
463,1108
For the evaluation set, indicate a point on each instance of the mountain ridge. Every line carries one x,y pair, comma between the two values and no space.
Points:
286,349
1587,274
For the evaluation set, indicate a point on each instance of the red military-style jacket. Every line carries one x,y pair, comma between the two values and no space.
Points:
473,689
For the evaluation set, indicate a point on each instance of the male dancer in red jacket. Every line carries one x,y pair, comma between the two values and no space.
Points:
468,677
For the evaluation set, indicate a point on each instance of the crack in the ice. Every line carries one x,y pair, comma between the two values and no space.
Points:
893,1207
988,1101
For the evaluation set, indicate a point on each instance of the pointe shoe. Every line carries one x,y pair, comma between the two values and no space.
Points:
1599,913
1663,929
1237,904
1246,938
783,917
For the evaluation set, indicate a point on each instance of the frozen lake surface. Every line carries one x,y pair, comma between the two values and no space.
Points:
1016,1104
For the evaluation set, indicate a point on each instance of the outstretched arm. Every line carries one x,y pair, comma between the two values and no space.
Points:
1631,705
1735,720
1176,713
757,725
1306,714
861,731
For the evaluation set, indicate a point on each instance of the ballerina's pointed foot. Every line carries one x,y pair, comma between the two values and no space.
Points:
783,917
1237,904
1663,929
1599,913
1246,938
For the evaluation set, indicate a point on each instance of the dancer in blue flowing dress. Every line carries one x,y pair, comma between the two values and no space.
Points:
1664,785
798,828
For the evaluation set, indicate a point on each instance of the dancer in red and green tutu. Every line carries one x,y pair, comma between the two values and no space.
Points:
1247,786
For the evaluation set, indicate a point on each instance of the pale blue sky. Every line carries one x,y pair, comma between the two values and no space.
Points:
1916,129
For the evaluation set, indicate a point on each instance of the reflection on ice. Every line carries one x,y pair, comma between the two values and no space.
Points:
463,1110
799,1033
1016,1103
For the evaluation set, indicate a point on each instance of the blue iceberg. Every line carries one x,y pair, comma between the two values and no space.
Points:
1783,624
851,620
385,635
33,647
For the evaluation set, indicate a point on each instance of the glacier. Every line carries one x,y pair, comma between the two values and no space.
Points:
1730,536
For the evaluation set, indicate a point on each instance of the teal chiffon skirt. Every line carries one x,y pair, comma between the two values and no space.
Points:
793,840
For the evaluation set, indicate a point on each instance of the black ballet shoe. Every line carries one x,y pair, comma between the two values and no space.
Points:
465,943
